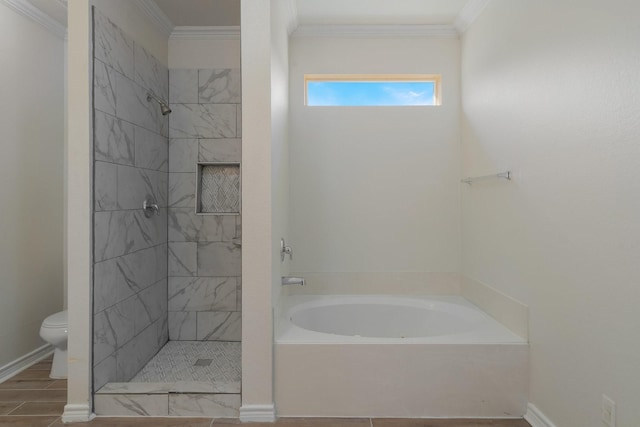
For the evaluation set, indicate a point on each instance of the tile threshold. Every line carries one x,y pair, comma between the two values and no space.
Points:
195,387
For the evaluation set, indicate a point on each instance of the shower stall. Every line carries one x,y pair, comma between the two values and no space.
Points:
166,233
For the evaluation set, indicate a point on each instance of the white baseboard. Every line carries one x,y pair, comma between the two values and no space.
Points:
77,413
19,365
258,413
536,418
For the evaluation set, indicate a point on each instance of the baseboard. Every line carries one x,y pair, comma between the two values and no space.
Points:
536,418
77,413
19,365
257,413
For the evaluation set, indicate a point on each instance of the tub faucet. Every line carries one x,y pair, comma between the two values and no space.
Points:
292,280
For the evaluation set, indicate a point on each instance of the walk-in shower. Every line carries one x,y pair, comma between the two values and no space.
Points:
167,273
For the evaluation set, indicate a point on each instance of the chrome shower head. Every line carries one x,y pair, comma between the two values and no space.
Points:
164,108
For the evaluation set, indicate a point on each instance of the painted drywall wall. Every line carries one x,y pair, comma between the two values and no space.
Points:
32,190
551,91
279,140
375,189
214,52
257,241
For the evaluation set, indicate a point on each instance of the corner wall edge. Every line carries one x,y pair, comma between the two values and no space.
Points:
536,418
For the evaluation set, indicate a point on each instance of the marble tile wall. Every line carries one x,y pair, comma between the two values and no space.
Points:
204,250
131,163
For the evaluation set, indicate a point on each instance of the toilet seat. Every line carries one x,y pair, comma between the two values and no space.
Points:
56,321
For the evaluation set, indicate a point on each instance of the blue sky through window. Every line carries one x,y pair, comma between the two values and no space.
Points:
370,93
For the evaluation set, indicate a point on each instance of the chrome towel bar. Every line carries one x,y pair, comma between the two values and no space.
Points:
471,179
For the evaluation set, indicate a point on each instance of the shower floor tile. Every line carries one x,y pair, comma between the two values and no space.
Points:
188,361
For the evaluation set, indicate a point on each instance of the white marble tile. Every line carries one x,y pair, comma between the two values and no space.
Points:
208,405
121,319
182,190
104,88
203,121
111,45
117,233
213,326
113,140
104,372
186,226
239,294
106,186
183,259
219,259
182,326
202,294
220,150
132,106
104,338
117,279
137,184
131,404
151,74
239,120
183,86
219,86
154,300
131,357
183,155
239,228
209,386
151,150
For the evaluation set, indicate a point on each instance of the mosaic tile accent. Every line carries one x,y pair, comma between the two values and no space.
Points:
176,362
220,189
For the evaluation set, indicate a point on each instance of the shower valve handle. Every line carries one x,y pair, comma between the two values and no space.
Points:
150,206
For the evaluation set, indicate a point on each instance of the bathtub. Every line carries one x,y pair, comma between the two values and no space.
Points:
396,356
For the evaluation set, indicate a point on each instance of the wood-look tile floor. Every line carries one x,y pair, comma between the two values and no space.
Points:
32,399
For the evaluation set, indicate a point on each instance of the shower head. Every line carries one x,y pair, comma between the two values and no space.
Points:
164,108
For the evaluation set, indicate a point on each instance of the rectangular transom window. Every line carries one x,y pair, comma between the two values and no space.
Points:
362,90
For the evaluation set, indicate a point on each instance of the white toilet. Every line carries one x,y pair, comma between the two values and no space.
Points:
54,330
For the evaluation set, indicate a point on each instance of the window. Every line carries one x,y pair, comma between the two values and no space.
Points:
359,90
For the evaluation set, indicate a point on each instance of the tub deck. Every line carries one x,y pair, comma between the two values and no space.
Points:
475,376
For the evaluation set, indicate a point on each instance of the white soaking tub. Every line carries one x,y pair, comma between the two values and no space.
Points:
396,356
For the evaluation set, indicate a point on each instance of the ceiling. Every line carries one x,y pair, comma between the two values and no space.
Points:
320,12
201,13
223,13
378,12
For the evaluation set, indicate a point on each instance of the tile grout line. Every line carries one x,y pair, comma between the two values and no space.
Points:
55,421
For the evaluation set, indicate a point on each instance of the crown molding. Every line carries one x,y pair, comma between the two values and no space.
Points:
26,9
156,16
372,31
206,33
469,13
292,19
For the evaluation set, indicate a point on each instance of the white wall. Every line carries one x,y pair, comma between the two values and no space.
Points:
551,91
204,53
257,236
31,181
279,140
375,189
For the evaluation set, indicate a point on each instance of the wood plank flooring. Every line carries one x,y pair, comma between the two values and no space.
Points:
32,399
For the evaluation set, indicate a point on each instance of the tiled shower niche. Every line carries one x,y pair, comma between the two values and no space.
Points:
218,188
